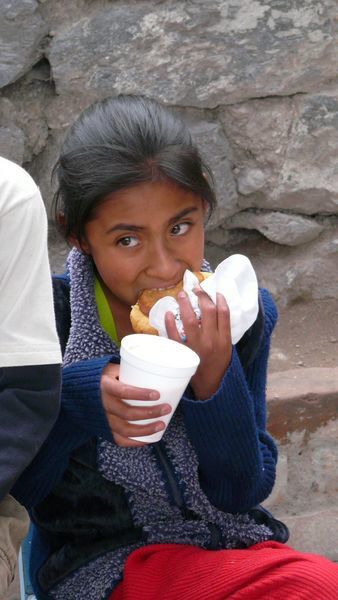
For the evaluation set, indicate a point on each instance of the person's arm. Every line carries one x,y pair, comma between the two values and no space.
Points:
92,393
82,417
95,402
29,351
237,457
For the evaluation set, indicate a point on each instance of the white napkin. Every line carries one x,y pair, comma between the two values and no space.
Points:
235,279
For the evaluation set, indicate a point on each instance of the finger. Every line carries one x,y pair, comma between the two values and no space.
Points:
188,317
208,311
223,316
115,387
118,407
126,429
170,324
126,442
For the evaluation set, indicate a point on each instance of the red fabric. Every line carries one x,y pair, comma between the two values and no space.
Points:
266,571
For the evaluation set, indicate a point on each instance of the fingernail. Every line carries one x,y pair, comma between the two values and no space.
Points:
159,426
154,396
181,294
166,410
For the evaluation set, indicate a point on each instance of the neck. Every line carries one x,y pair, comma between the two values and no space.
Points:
120,312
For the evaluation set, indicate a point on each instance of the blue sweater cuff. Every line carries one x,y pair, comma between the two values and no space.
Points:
221,412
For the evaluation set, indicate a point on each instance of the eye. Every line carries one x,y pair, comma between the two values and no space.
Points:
128,241
180,228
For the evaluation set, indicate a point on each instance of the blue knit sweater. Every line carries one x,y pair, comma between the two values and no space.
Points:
237,456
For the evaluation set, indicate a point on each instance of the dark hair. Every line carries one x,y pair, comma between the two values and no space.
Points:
120,142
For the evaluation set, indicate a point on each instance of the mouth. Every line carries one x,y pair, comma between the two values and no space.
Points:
163,289
158,290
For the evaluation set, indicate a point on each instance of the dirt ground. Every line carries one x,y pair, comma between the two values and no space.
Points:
306,336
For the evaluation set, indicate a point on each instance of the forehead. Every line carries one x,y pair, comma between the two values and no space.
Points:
160,198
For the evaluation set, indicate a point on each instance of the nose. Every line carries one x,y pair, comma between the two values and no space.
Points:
163,266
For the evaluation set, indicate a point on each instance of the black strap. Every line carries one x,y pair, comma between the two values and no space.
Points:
262,516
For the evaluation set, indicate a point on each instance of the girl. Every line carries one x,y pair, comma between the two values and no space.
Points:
115,518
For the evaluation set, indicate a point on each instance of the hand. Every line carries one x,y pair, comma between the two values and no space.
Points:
210,339
119,413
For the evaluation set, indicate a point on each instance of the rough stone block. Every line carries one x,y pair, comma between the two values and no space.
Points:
21,31
12,143
281,228
253,47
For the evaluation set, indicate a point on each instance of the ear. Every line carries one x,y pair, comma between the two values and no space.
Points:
73,241
83,246
61,222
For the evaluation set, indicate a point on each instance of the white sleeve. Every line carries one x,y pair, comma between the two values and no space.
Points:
27,322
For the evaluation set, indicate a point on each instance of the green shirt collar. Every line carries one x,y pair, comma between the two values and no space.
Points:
105,315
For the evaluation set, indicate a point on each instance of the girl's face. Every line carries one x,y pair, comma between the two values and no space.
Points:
145,237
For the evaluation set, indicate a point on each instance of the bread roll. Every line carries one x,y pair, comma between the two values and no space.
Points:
140,311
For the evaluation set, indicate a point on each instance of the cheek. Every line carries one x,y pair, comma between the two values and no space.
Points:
199,243
115,270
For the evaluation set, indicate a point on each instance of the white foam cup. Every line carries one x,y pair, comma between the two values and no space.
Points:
154,362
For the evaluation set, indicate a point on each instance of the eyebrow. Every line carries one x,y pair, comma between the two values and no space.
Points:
129,227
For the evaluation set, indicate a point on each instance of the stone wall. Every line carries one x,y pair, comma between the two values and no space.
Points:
303,418
257,82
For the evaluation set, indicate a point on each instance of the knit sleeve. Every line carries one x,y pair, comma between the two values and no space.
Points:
237,457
